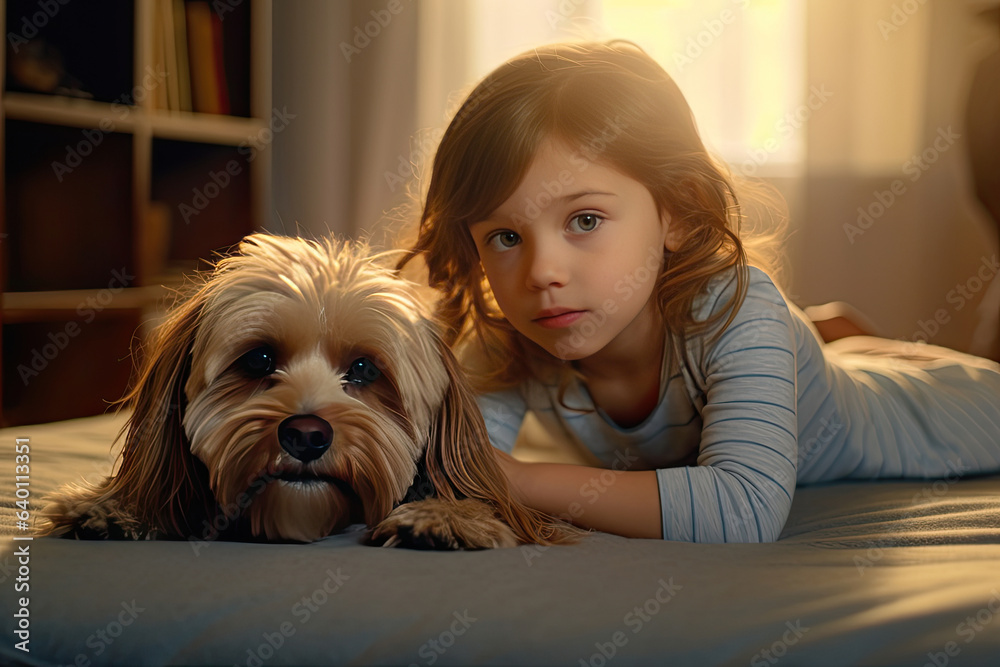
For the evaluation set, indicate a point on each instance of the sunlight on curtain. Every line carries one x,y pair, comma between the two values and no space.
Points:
875,56
740,64
766,103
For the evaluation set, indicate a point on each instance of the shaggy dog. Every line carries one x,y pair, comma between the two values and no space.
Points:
300,389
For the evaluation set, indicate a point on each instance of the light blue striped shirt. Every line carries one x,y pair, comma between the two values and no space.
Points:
741,420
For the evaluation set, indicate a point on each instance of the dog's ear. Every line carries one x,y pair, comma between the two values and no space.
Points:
159,481
461,463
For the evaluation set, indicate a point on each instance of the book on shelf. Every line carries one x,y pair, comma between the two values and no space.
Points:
165,26
189,45
208,83
183,64
219,64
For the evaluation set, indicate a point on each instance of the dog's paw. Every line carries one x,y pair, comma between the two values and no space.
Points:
444,526
76,513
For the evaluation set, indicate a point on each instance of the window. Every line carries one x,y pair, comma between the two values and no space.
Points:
745,85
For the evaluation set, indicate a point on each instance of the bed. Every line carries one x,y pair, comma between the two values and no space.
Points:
887,573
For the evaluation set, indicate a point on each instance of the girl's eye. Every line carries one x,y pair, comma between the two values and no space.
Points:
504,240
362,372
258,362
585,222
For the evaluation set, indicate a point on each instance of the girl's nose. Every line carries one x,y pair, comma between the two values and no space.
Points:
546,268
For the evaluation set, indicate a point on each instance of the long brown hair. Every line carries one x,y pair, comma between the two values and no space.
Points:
615,105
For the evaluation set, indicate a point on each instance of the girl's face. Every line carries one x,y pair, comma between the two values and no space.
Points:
573,255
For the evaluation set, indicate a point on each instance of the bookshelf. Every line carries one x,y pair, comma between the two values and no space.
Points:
135,146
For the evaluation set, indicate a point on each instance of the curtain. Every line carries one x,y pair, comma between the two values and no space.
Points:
346,72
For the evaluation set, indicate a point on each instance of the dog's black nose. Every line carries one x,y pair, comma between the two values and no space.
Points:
305,437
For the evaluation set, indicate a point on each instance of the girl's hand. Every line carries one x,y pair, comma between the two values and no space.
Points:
626,503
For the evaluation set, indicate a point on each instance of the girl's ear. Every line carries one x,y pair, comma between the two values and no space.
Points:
672,236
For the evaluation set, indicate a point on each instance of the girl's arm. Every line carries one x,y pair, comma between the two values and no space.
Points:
741,490
623,502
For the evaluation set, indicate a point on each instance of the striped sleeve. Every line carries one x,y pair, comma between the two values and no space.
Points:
503,412
741,490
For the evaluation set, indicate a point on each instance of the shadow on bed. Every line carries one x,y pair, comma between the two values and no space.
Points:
894,572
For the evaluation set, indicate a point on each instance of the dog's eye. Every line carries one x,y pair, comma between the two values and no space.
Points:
258,362
362,372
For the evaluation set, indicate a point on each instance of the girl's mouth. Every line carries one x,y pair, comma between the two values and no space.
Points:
558,319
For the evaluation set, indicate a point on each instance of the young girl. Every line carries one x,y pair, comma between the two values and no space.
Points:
587,250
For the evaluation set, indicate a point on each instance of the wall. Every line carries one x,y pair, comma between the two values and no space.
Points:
912,256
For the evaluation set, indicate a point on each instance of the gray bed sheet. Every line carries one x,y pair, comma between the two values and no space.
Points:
886,573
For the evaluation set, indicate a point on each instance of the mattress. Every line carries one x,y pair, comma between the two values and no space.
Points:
870,573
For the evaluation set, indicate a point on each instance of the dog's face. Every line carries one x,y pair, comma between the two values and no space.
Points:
315,376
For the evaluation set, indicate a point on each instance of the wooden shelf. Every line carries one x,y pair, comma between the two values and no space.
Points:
181,125
31,306
68,111
107,203
187,126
